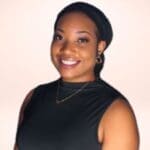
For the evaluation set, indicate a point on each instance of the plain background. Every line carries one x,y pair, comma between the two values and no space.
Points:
26,28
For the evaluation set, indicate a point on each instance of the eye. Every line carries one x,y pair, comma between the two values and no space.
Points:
57,37
83,40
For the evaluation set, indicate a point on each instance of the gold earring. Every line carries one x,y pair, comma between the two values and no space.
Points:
98,58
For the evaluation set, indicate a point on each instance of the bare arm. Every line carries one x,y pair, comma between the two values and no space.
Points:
118,129
21,114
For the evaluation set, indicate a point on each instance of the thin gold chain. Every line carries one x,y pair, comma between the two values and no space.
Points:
70,96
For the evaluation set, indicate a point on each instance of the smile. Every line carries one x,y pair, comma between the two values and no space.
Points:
69,62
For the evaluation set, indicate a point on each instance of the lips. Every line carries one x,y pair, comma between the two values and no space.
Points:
69,62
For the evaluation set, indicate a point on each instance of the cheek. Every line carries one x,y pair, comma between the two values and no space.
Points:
55,48
90,59
91,54
53,53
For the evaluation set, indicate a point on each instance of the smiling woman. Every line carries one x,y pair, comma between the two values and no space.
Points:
74,47
79,110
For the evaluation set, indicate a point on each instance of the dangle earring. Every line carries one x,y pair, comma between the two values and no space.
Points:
98,58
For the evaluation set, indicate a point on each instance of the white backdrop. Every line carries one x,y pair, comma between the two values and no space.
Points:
26,28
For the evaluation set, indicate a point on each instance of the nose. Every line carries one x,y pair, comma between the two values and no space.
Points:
68,47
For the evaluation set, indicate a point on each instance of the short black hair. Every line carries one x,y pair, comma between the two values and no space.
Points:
96,15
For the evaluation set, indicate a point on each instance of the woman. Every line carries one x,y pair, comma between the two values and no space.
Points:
79,111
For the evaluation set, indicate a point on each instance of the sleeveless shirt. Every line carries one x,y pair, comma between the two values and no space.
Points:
70,125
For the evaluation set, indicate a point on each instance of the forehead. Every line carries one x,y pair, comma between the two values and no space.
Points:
76,20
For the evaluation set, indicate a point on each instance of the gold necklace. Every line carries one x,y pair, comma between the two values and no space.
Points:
70,96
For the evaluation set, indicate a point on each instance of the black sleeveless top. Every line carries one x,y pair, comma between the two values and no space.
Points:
70,125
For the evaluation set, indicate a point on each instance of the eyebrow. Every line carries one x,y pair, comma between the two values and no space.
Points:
80,32
84,32
60,30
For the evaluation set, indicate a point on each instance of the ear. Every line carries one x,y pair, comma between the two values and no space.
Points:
101,46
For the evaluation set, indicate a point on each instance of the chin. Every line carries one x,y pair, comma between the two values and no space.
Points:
68,78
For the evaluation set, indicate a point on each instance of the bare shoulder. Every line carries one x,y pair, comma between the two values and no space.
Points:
119,110
24,104
21,113
27,98
119,127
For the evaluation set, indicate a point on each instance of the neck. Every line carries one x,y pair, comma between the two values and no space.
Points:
93,78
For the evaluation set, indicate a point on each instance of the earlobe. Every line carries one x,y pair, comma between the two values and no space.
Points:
101,46
98,57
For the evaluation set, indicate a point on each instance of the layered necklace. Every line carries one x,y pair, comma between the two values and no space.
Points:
58,101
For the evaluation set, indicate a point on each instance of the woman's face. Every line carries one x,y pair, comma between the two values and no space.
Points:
74,47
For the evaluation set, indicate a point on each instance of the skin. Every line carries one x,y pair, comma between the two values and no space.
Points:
75,40
118,128
73,51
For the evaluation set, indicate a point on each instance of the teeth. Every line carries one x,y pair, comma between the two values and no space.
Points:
69,62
